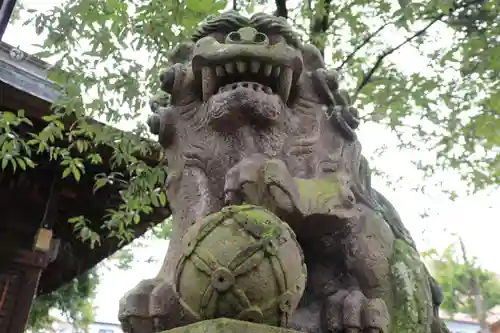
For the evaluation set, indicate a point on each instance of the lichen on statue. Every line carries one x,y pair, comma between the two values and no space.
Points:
242,262
255,117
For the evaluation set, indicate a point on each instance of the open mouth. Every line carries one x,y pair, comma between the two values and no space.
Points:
250,74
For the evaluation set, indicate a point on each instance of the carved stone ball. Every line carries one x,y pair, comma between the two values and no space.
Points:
242,263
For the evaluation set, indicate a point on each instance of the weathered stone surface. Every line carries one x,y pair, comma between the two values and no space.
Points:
223,325
254,117
242,262
412,294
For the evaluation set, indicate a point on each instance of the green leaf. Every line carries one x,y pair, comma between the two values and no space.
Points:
446,5
78,163
163,199
66,172
403,3
100,182
5,161
13,164
21,163
29,162
9,117
154,199
76,172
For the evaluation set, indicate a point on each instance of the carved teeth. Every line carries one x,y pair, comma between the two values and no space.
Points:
282,77
285,83
242,67
219,70
208,82
254,66
267,70
276,71
229,68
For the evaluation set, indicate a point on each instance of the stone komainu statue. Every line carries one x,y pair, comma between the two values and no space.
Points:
251,115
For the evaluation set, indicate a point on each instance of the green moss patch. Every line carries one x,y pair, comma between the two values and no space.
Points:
223,325
412,312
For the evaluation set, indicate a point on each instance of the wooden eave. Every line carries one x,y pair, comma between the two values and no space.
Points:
24,85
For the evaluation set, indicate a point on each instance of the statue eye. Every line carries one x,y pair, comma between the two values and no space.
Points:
218,36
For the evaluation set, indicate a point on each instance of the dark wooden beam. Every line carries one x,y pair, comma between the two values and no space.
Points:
19,275
6,9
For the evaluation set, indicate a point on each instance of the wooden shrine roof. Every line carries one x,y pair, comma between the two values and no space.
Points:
24,85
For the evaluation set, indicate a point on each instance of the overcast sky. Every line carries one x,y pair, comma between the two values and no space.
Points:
476,218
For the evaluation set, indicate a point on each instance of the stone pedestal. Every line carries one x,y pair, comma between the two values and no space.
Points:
223,325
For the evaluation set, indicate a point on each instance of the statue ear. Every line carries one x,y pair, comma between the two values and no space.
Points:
312,57
181,53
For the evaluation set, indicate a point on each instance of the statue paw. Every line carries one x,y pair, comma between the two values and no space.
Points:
166,310
352,312
261,181
133,308
137,325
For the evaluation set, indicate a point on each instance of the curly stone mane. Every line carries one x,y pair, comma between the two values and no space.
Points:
225,23
231,21
274,25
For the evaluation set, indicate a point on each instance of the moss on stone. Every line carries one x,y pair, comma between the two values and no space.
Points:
320,195
254,213
223,325
232,264
412,310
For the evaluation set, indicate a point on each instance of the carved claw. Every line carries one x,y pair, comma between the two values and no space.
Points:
133,309
154,123
166,310
138,325
282,187
352,312
261,181
243,179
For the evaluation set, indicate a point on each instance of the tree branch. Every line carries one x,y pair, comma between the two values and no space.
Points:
319,26
363,44
367,77
381,57
281,9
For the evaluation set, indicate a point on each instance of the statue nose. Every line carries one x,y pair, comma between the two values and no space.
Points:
247,35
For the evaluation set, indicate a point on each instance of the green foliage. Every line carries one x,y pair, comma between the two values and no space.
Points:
163,230
74,301
124,258
14,151
454,277
115,49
